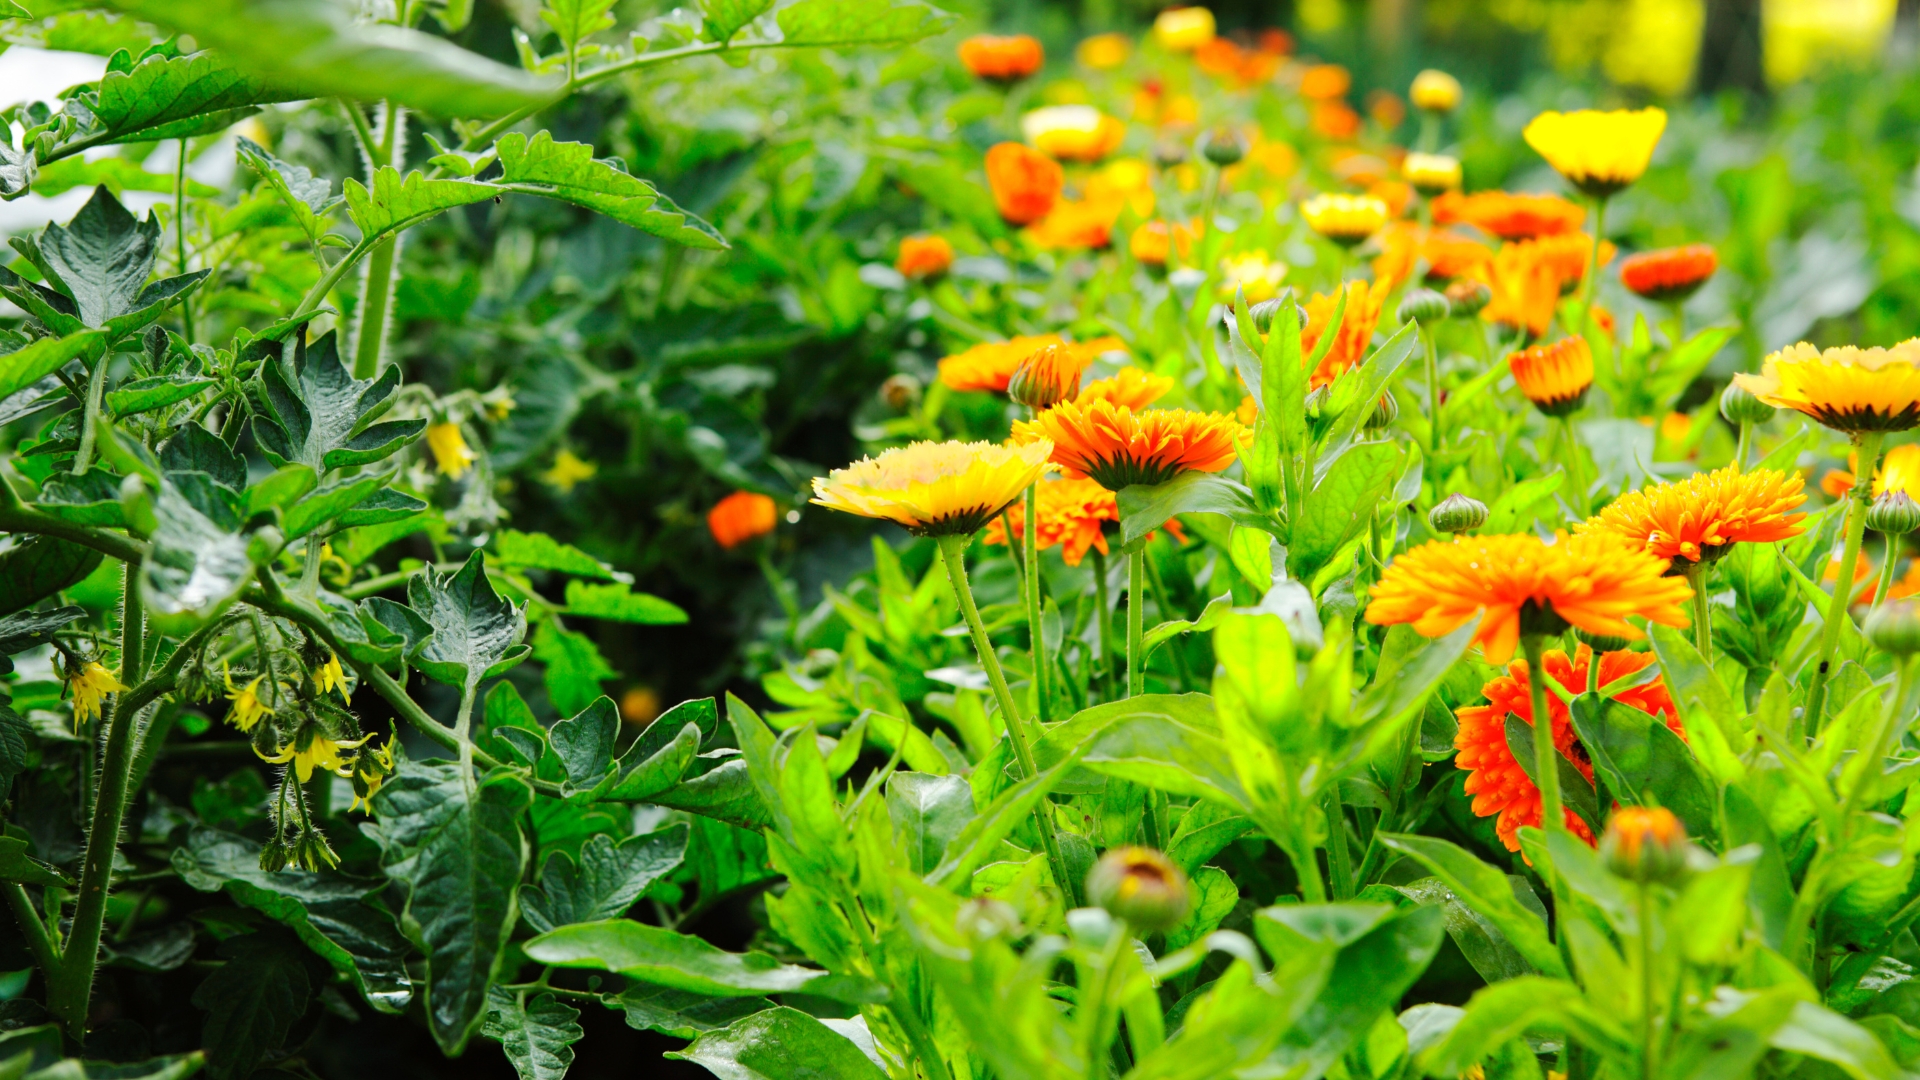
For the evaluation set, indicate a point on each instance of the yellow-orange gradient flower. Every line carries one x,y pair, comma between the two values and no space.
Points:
1357,323
923,257
1700,517
1899,471
935,489
1593,581
1555,376
1324,82
1509,217
1669,273
740,517
1155,242
1598,152
1103,52
1565,256
1130,388
1524,289
1117,446
1845,388
1048,377
1075,224
1501,787
1448,255
1025,182
990,364
1344,219
1073,132
1002,59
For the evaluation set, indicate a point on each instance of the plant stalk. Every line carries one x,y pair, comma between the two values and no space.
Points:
1136,625
1546,765
377,298
1649,1050
1106,624
1891,556
90,419
46,955
1433,397
1702,613
1339,860
180,237
1036,641
1746,444
1576,472
1593,262
1868,443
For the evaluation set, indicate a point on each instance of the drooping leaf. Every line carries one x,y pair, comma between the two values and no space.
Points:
323,417
538,551
605,882
725,794
39,566
679,1013
1144,508
305,194
583,743
570,172
252,1002
102,259
537,1035
476,633
657,955
618,601
31,629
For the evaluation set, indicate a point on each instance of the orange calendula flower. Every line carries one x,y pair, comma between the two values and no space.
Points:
1070,513
1118,447
1355,335
1154,242
1524,585
1846,388
1073,132
1670,273
990,364
1345,219
1509,217
1864,575
1103,52
1324,82
1002,59
923,256
740,517
1183,29
1555,376
1523,290
936,489
1047,377
1130,388
1335,120
1025,182
1448,255
451,454
1598,152
1501,787
1565,256
1241,66
1697,519
1075,224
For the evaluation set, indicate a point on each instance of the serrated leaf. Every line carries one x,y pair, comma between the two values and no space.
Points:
39,566
328,503
395,202
251,1002
324,418
23,368
196,562
570,172
576,20
583,743
618,601
153,392
474,629
779,1044
101,260
89,498
305,194
604,882
724,18
858,22
537,1035
175,97
383,507
195,449
657,955
538,551
678,1013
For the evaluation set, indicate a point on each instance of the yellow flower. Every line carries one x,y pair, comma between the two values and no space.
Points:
322,752
1434,91
1345,219
370,770
1072,132
332,676
568,470
1183,29
498,402
1598,152
247,707
1846,388
89,687
935,489
1102,52
450,451
1431,174
1253,272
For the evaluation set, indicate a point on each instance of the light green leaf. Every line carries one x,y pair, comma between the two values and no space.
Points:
1517,507
537,1035
678,1013
397,203
858,22
576,20
303,193
927,813
570,172
538,551
724,18
24,367
165,97
618,601
575,668
1824,1034
475,633
657,955
197,560
330,502
779,1044
1144,508
1214,897
1338,507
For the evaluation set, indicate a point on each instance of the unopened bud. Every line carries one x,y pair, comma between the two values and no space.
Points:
1600,643
1223,146
900,391
1424,306
1263,312
1894,513
1457,513
1466,297
1894,627
1385,412
1645,844
1168,153
1739,406
1317,400
1141,887
1046,378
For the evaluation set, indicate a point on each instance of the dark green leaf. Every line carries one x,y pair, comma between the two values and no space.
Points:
780,1044
927,813
642,775
584,744
382,507
302,192
537,1035
1369,976
657,955
325,418
570,172
195,449
619,602
17,865
39,566
251,1002
725,793
1487,891
1481,942
102,257
475,631
32,629
678,1013
1639,755
606,881
172,97
329,503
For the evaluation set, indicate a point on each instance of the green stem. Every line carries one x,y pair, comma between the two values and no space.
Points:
1702,613
1546,765
1168,613
377,298
1746,444
1036,641
1105,615
1100,1022
1868,443
46,956
1339,865
90,419
1649,1049
133,629
1576,471
1433,397
953,550
1136,626
180,236
1593,262
1891,556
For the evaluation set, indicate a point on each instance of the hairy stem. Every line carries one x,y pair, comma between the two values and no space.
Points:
1702,613
46,956
1868,443
180,237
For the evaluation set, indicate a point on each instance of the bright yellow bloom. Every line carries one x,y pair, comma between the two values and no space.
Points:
1103,52
1697,519
370,770
935,489
1431,174
568,470
321,752
1434,91
89,687
247,707
498,402
1047,378
1846,388
1555,376
1254,273
1523,585
450,451
1119,447
990,364
1598,152
1345,219
1072,132
1130,386
1183,29
332,676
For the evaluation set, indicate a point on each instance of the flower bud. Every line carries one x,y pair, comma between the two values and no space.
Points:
1457,513
1046,378
1317,401
1894,627
1385,412
1431,174
900,391
1600,643
1739,406
1223,146
1435,91
1645,844
1141,887
1466,297
1263,312
1894,513
1169,152
1424,306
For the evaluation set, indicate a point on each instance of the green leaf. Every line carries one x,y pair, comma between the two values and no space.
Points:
1639,754
383,507
724,18
1518,507
1338,507
317,510
305,194
779,1044
40,566
1214,897
1505,1011
14,759
397,203
120,175
1144,508
91,498
657,955
927,813
583,743
24,367
576,20
537,1035
1693,681
154,392
195,449
1824,1034
618,601
32,629
538,551
197,559
1487,891
830,23
100,260
17,865
174,97
251,1002
1481,942
329,911
324,418
455,848
607,880
725,794
678,1013
1369,976
980,838
575,668
476,633
569,172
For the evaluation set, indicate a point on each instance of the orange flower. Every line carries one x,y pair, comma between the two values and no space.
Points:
1069,513
1335,120
1075,224
1499,784
1153,242
1565,255
1117,446
1002,59
1386,108
1324,82
1593,581
1509,217
1130,388
923,257
1670,273
990,364
1556,376
1048,377
1356,328
1024,181
1224,58
740,517
1276,158
1448,255
1699,518
1525,290
1864,575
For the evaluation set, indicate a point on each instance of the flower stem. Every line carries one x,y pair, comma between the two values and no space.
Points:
1746,444
1593,262
1702,613
1339,861
1648,1049
1105,616
1433,397
1036,641
1868,443
1892,556
1576,472
1546,767
953,550
1136,625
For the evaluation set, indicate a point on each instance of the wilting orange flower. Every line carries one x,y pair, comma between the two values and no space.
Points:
1104,51
1153,242
1509,217
990,364
740,517
1593,581
1525,291
1129,388
1335,120
1073,132
1117,446
1555,376
1699,518
1075,224
1356,328
1002,59
1845,388
1499,784
1670,273
1025,182
1323,82
1048,377
923,257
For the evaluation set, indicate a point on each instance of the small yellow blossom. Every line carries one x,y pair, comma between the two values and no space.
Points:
321,752
247,706
370,770
498,402
568,470
332,676
450,451
89,687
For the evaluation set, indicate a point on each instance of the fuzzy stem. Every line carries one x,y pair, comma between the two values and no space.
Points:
1546,765
46,955
90,418
1036,641
1702,613
1136,626
377,298
180,237
1868,443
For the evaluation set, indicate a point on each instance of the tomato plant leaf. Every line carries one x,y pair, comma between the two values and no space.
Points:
657,955
39,566
537,1035
575,670
252,1001
604,882
568,171
24,367
679,1013
322,417
620,603
779,1044
476,633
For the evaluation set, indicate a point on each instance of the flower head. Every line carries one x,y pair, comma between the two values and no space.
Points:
1355,335
451,454
1509,217
319,752
1252,273
1002,59
1499,784
1073,132
1117,446
1846,388
1645,843
1555,376
1431,174
1075,224
1129,387
936,489
568,470
740,517
1070,513
1047,377
1670,273
1155,241
1594,581
1598,152
1523,288
1025,182
331,676
1434,91
1183,29
1103,52
88,685
1448,255
1141,887
247,708
370,770
923,256
1697,519
1325,82
990,364
1564,255
1344,219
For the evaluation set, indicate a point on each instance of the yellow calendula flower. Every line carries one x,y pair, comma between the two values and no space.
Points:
1183,29
1345,219
568,470
935,489
247,707
1847,388
88,686
1598,152
1073,132
1434,91
331,676
320,752
1102,52
451,454
1253,272
1431,174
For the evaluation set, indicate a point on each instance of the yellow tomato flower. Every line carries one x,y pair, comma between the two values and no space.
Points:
935,489
568,470
370,770
322,753
331,676
89,687
247,707
451,454
1183,29
1598,152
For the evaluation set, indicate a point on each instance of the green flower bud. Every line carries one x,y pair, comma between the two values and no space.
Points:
1646,845
1385,412
1894,627
1739,406
1458,513
1600,643
1223,146
1317,400
1466,297
1168,153
1141,887
1263,313
1423,305
1894,513
900,392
